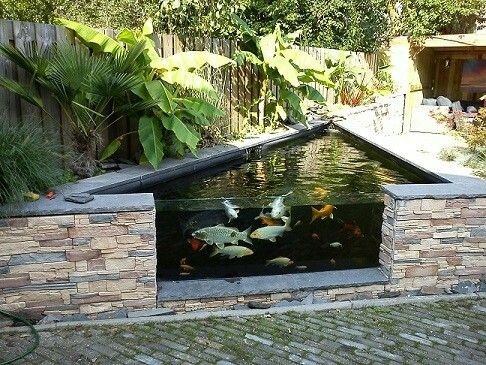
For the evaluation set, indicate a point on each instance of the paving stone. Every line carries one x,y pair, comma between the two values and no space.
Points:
423,333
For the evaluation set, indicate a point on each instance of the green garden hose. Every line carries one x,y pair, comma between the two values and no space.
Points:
33,331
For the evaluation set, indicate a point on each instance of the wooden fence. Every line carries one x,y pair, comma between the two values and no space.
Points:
238,86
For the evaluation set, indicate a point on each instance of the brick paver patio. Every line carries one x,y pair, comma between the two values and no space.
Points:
447,332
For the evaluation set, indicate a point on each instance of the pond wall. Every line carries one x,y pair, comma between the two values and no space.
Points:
78,265
430,246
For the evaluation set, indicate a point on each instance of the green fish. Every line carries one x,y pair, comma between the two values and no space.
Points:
232,251
220,235
272,232
280,261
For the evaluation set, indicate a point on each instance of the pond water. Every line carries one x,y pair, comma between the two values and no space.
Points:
328,218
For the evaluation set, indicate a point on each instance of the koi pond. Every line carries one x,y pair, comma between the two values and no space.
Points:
306,205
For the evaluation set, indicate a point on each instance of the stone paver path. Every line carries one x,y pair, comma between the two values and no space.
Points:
452,332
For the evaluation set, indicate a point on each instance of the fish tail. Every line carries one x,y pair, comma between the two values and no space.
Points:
290,192
287,221
247,238
315,214
215,252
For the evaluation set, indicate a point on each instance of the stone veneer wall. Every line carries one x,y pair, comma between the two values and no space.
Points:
430,246
79,265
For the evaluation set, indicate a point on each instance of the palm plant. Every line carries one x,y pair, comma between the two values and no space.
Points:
91,89
174,122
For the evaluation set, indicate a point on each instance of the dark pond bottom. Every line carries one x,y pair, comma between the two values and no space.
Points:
348,241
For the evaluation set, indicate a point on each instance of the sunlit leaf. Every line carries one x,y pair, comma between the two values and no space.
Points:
188,80
90,36
302,59
191,60
286,70
159,93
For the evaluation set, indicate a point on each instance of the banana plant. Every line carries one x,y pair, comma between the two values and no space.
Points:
173,123
291,70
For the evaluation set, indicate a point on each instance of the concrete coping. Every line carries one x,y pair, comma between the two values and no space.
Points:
220,288
134,177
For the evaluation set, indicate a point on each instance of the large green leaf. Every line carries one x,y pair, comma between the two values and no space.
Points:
192,60
286,70
188,80
159,93
202,106
302,59
111,148
267,46
127,36
91,37
181,131
293,100
150,135
148,27
245,56
312,94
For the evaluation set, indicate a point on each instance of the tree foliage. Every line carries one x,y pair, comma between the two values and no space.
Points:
420,18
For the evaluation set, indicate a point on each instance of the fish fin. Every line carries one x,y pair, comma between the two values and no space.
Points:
315,214
247,238
220,245
215,252
331,216
290,192
273,239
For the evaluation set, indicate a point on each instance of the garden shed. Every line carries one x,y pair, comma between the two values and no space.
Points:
453,66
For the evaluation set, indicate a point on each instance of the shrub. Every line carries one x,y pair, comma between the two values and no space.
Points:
29,162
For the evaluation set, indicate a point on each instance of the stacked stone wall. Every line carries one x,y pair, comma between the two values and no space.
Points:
432,246
78,265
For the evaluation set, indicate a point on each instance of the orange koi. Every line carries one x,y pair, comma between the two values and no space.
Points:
325,212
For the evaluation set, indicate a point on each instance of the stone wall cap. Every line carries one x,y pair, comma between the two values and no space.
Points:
100,204
219,288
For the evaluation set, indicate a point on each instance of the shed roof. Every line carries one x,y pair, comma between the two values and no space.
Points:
457,41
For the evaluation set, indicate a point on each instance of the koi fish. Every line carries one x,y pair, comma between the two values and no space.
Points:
335,245
196,245
230,210
220,235
267,219
280,262
320,192
315,236
184,266
271,233
352,229
332,262
324,212
301,267
232,251
278,207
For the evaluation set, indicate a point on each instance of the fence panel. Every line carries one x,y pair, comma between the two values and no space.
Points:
239,87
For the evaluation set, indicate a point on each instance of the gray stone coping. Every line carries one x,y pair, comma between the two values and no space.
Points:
100,204
220,288
448,187
135,177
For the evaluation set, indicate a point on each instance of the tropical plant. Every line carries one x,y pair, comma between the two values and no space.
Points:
91,89
172,122
30,161
287,68
353,84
